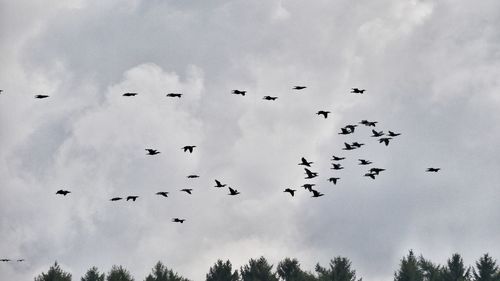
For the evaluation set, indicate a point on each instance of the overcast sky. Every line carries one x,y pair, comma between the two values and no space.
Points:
431,70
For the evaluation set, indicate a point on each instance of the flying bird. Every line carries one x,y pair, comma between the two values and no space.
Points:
384,140
357,144
130,94
193,176
334,180
115,199
310,175
219,184
269,98
435,170
345,131
324,113
316,193
152,151
20,260
174,95
162,193
357,91
377,134
233,191
335,158
5,260
376,171
63,192
392,134
371,175
337,166
189,148
238,92
187,190
351,128
368,123
41,96
348,147
305,162
133,198
364,162
308,186
291,191
299,87
178,220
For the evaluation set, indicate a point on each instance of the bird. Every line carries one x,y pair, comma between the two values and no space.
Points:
435,170
376,171
219,184
345,131
269,98
368,123
299,87
377,134
233,191
357,91
371,175
130,94
334,180
335,158
193,176
187,190
133,198
364,162
20,260
152,151
162,193
291,191
174,95
115,199
238,92
351,127
178,220
392,134
188,148
305,162
41,96
5,260
63,192
357,144
384,140
316,193
348,147
1,91
308,186
324,113
310,175
337,166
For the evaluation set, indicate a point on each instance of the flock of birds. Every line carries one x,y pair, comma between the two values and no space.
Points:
372,173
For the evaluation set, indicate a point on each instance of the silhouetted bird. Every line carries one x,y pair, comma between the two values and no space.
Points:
308,186
435,170
218,184
310,175
193,176
334,180
20,260
299,87
351,128
376,171
368,123
133,198
357,144
344,131
238,92
371,175
63,192
174,95
348,147
269,98
130,94
384,140
162,193
335,158
305,163
337,166
41,96
5,260
316,193
357,91
178,220
392,134
189,148
152,151
291,191
377,134
364,162
324,113
233,191
115,199
187,190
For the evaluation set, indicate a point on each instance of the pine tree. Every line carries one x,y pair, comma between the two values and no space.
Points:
487,269
222,271
258,270
409,269
455,269
118,273
340,270
289,270
93,275
55,273
161,273
430,271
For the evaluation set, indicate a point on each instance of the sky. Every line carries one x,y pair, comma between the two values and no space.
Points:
430,70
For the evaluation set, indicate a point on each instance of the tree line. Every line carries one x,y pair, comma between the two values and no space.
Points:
411,268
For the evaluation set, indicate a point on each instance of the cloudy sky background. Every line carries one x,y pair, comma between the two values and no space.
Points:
431,71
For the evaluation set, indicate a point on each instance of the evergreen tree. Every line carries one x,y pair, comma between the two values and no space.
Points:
409,269
161,273
222,271
93,275
258,270
55,273
289,270
340,270
487,269
430,271
455,269
118,273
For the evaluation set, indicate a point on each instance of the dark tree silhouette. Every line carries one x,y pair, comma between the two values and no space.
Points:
222,271
340,270
258,270
289,270
486,269
119,273
430,271
161,273
93,274
409,269
55,273
455,269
